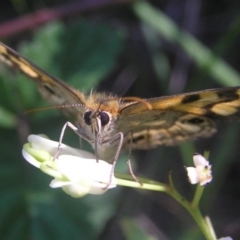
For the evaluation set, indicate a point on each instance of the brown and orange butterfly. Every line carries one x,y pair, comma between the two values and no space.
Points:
106,120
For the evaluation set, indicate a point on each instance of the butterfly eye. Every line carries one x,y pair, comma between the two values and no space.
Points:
87,117
104,118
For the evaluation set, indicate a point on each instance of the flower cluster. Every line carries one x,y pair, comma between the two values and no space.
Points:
78,173
201,173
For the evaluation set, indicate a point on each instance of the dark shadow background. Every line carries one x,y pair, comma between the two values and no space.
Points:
106,46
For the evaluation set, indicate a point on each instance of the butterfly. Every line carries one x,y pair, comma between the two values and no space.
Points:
109,122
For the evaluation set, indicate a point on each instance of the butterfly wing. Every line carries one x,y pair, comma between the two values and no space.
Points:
52,89
179,118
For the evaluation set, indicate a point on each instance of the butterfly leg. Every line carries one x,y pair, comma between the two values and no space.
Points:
118,137
129,160
67,124
75,129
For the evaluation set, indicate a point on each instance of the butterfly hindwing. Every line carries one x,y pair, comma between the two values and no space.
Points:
180,118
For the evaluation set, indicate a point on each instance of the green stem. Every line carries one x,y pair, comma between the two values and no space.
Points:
192,209
197,196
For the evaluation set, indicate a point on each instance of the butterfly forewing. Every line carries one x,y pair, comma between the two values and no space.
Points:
52,89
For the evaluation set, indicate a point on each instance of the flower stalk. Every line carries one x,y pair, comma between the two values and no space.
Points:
78,173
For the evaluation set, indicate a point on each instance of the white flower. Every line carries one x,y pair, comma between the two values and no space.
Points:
201,173
76,171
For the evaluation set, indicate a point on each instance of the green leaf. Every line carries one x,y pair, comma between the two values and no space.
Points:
90,52
203,56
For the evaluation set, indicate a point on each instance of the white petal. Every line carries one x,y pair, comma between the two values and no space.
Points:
76,190
100,188
73,167
199,160
55,183
204,177
204,174
192,175
225,238
205,181
30,159
79,189
87,172
42,143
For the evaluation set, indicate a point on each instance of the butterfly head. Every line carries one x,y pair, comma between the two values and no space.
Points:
96,119
101,110
99,129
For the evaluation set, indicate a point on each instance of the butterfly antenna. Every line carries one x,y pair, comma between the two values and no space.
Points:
52,107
